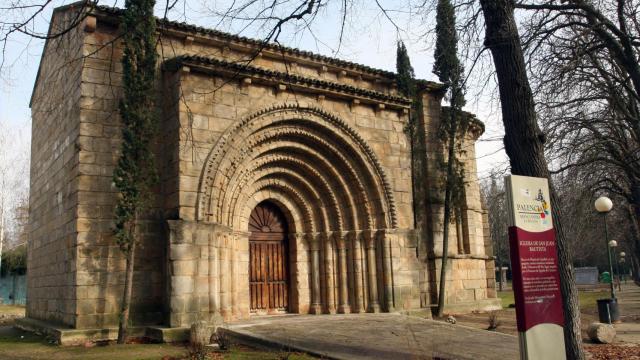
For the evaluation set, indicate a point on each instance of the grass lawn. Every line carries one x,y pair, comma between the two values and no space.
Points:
12,309
17,344
587,298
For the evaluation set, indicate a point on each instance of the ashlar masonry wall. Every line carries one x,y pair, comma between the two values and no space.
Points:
359,240
52,245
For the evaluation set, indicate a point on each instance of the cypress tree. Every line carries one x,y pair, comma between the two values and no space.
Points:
408,87
405,78
135,174
450,72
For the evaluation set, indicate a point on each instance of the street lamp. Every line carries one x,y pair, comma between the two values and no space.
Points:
607,308
603,205
612,245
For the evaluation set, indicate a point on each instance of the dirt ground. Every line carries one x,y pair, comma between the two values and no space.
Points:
625,347
8,313
15,344
18,344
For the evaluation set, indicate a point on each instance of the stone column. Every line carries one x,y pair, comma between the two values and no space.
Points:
340,239
384,242
314,246
327,240
214,275
182,255
233,249
243,295
358,283
370,242
225,279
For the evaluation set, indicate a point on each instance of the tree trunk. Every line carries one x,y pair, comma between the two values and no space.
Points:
500,277
634,217
126,296
635,268
524,143
445,232
452,131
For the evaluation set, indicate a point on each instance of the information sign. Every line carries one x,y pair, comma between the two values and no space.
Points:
534,261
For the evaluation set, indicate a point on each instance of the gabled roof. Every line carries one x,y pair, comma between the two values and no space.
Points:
189,28
168,24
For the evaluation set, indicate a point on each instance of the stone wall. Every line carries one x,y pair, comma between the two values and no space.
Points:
52,246
323,139
210,108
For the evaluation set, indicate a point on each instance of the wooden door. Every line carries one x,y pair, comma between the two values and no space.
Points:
268,265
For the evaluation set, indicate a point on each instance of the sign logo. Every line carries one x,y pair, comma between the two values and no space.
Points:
534,211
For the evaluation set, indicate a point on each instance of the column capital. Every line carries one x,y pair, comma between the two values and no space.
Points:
297,237
242,234
315,239
341,238
369,237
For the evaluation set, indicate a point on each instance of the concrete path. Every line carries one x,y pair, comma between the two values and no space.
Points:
629,302
374,336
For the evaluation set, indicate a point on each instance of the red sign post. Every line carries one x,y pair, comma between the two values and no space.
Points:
534,263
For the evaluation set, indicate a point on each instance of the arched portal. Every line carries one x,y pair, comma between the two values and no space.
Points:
268,259
309,167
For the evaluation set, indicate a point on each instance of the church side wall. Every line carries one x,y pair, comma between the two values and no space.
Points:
52,248
467,285
101,265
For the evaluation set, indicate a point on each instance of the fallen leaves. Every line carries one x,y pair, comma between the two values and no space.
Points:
613,351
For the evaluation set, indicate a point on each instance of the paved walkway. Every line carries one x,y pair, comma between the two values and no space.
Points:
374,336
629,300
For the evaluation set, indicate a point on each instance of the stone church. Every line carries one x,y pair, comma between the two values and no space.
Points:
288,184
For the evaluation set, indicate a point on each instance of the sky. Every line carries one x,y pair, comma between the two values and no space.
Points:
369,38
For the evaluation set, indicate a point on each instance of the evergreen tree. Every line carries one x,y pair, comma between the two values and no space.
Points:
135,174
405,79
406,82
450,72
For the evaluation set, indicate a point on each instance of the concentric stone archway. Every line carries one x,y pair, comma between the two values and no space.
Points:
333,190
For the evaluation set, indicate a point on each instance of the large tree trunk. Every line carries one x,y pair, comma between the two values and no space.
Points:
524,143
634,214
634,218
126,296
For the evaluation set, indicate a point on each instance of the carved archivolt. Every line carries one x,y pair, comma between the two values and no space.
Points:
302,154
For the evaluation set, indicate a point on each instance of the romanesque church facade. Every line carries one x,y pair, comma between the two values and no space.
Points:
288,184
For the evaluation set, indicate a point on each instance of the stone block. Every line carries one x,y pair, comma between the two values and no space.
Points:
183,267
462,296
474,284
480,294
181,285
184,252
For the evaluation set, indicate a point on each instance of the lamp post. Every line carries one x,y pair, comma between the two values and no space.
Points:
603,205
607,308
623,265
612,245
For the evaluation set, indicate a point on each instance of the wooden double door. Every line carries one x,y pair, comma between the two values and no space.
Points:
268,260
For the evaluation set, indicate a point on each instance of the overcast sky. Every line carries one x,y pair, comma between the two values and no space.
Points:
369,39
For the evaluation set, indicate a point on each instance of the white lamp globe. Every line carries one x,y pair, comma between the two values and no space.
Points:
613,243
623,254
603,204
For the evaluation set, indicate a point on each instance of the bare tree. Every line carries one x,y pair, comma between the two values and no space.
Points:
494,198
524,142
585,74
14,185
